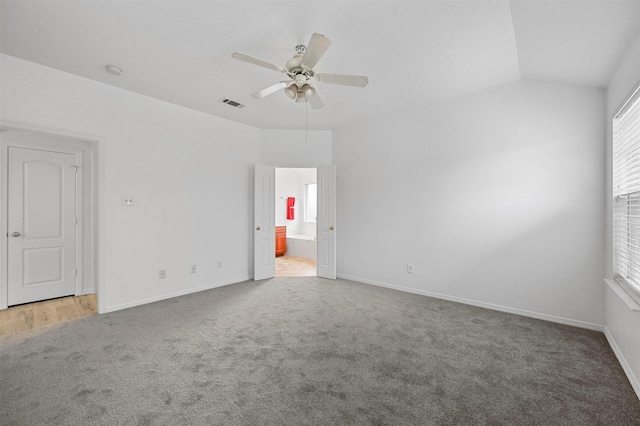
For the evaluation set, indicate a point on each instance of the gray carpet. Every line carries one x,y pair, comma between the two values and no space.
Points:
308,351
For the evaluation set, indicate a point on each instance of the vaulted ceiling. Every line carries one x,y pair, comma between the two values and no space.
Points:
415,53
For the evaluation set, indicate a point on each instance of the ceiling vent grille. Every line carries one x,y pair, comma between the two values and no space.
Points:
231,102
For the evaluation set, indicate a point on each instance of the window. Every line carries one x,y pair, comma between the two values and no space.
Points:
626,193
310,202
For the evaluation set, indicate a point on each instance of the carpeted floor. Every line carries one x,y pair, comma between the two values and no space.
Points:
309,351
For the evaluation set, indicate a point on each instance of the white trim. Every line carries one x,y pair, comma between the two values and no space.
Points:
176,294
4,230
635,383
622,294
631,98
522,312
81,253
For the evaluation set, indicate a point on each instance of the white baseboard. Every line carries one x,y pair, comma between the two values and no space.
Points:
176,294
546,317
635,383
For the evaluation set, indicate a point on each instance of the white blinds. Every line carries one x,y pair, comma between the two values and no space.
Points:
626,190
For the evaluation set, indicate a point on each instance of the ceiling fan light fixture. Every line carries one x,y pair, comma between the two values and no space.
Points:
308,91
291,91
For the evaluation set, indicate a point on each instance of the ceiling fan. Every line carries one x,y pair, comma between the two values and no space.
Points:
300,71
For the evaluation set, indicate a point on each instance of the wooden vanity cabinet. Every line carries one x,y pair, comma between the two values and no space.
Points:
281,240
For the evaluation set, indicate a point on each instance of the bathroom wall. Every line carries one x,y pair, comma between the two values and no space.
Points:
290,182
287,185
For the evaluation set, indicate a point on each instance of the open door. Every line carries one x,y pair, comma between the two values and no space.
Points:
326,223
42,224
264,237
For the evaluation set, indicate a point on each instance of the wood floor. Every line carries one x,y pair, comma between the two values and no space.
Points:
48,312
291,266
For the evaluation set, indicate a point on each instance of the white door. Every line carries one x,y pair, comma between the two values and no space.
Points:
41,224
264,222
326,226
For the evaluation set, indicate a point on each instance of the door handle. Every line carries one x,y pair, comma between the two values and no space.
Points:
15,234
331,228
257,228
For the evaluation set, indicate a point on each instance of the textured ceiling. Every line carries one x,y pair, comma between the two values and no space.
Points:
414,53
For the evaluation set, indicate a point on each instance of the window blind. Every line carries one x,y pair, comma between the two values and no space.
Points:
626,192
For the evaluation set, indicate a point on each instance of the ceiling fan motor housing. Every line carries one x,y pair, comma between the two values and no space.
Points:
294,67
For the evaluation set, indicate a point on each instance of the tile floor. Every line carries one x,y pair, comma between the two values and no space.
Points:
291,266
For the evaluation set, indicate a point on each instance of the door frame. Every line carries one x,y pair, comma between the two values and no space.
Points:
316,167
27,136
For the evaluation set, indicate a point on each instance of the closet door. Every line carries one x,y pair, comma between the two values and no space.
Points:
42,225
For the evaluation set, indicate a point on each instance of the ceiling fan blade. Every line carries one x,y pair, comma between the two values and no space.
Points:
269,90
316,48
316,102
346,80
256,61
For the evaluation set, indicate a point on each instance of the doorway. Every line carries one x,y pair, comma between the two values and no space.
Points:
46,206
264,237
296,217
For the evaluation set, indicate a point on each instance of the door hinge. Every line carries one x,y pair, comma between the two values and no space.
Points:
76,220
76,274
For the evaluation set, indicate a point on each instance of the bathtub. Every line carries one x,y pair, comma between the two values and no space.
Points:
302,246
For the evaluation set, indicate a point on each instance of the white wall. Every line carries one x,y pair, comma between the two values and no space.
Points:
622,324
288,185
495,198
307,176
190,174
291,182
296,148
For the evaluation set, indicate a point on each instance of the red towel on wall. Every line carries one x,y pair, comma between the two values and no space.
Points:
290,203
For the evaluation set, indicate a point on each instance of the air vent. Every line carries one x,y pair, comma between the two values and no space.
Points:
232,103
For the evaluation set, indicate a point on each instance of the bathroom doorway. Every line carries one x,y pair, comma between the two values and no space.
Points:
296,218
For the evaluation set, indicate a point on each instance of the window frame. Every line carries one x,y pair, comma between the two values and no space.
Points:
306,203
631,285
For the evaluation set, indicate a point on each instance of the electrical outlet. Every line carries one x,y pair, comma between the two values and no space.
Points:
127,201
163,273
409,268
193,269
219,263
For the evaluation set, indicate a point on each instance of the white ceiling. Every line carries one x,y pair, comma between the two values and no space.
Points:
415,53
